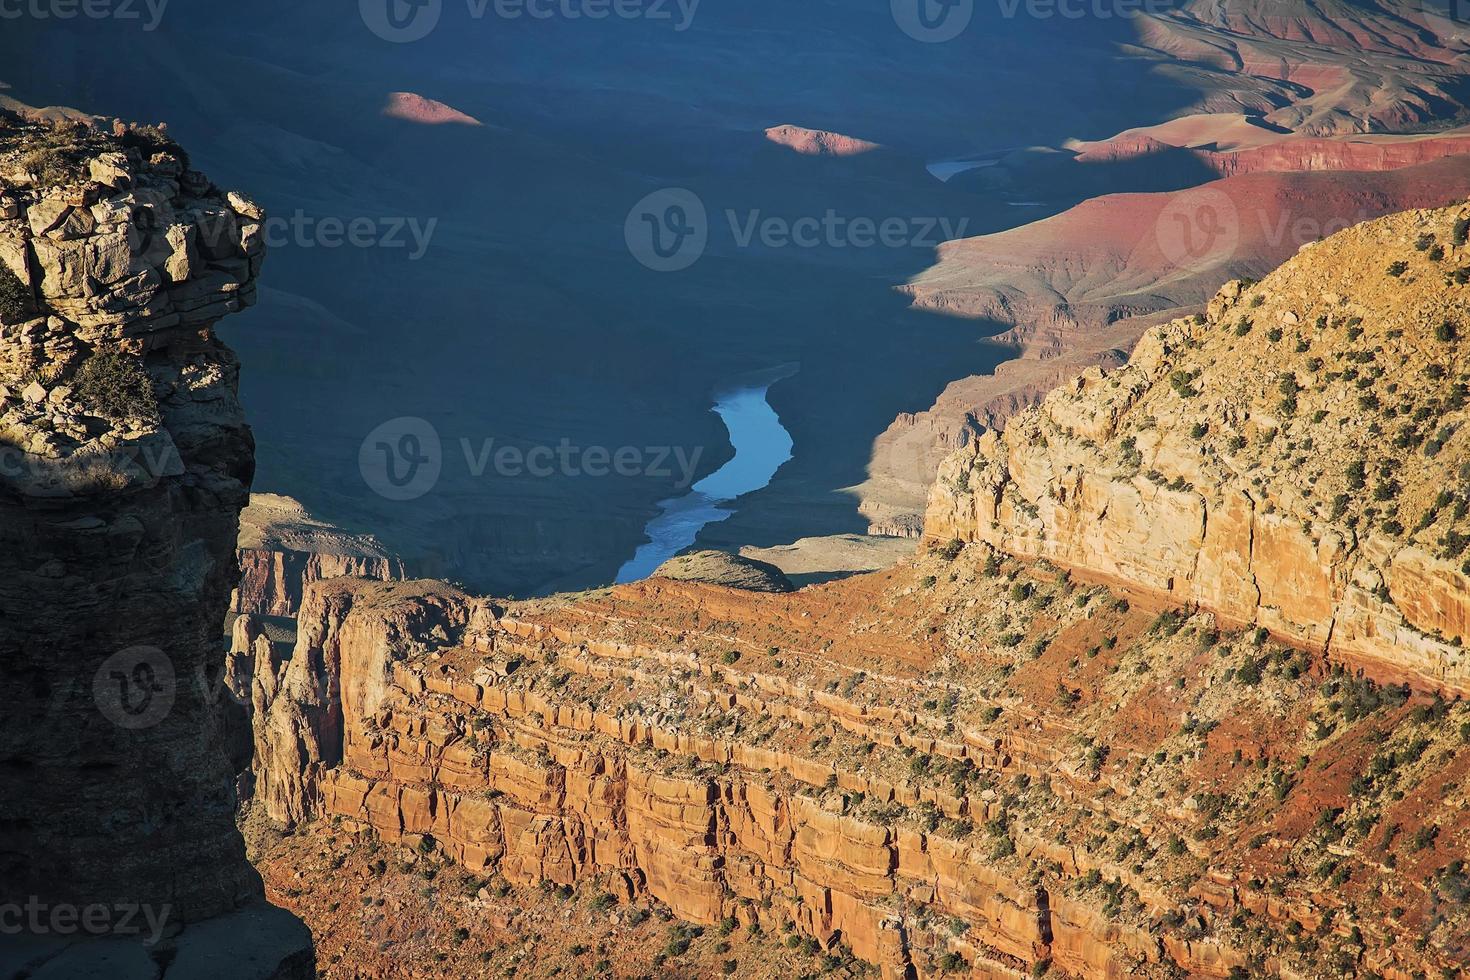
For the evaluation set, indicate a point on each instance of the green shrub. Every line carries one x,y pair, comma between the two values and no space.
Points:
1397,269
1462,231
1249,673
115,385
15,298
952,962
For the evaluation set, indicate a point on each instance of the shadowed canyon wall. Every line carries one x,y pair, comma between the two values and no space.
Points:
126,462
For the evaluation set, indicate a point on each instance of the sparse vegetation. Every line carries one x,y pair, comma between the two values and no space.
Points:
114,385
15,298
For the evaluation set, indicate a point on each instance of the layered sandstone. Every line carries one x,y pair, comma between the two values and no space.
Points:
1292,459
879,765
126,463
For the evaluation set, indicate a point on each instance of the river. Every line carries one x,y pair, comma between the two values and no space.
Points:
762,445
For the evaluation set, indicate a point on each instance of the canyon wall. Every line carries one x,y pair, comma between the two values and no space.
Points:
858,786
124,463
1292,459
1076,290
439,724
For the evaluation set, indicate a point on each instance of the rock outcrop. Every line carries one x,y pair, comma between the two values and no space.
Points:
415,108
1293,459
126,461
818,142
722,568
282,548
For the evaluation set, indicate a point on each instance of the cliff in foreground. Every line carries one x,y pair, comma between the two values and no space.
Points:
124,463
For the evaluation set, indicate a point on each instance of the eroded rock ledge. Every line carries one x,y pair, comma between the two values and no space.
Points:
915,808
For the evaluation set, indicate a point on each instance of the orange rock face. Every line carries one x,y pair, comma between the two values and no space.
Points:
1229,465
616,741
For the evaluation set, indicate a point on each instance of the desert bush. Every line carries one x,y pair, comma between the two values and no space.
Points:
153,139
115,385
952,962
951,550
15,298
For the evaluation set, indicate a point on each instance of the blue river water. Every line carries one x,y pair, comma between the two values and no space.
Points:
762,446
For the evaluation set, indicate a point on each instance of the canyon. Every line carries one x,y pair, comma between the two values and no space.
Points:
1163,692
1151,663
1077,290
899,348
